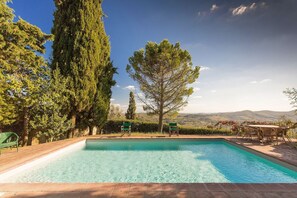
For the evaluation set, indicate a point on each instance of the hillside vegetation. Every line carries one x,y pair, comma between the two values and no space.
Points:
204,119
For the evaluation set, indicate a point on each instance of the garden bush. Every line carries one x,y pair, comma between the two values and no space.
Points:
114,126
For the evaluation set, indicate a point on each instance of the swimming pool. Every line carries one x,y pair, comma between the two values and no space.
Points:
155,161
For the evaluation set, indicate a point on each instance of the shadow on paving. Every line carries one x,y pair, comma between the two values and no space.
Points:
159,194
282,151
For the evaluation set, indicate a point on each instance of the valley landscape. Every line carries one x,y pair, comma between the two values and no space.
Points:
205,119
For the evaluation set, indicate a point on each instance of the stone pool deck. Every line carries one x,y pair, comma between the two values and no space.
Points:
211,190
10,159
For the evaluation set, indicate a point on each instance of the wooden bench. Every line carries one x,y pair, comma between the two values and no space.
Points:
9,139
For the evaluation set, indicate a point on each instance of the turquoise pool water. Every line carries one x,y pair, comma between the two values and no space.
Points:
162,161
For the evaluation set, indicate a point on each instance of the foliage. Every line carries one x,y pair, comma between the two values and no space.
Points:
285,121
8,112
292,95
114,126
98,113
163,72
81,51
50,115
130,115
22,69
115,112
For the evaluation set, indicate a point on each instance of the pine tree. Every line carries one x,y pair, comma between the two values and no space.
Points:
164,71
23,71
7,110
81,51
292,95
130,115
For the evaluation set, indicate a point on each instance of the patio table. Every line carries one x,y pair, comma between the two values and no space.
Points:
270,131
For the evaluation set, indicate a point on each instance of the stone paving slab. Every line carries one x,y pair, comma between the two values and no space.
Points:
149,190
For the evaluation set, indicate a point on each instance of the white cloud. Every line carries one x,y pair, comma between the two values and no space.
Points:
130,87
265,80
213,91
118,86
112,99
202,68
122,107
240,10
214,8
117,105
261,81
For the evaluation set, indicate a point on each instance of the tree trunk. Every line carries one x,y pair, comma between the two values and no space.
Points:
73,125
25,126
160,127
30,138
92,130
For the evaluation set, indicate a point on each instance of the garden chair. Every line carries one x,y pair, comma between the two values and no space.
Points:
283,133
126,128
248,132
173,128
270,134
9,139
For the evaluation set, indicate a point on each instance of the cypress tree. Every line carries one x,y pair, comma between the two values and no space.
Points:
130,115
81,51
98,114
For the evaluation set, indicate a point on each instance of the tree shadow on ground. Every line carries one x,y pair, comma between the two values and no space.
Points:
282,150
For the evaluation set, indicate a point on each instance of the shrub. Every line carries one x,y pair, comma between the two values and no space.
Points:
114,126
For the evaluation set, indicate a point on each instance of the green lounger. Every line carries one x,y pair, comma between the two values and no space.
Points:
173,128
126,128
9,139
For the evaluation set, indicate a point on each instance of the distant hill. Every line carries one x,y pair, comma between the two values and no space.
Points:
212,118
240,116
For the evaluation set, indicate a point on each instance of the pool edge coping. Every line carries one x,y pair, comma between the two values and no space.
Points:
40,156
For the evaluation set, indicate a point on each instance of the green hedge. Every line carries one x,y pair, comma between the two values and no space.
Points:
114,126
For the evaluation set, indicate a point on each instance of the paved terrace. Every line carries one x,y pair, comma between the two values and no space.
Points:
10,159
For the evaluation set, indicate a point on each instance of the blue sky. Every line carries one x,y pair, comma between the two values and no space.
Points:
247,49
